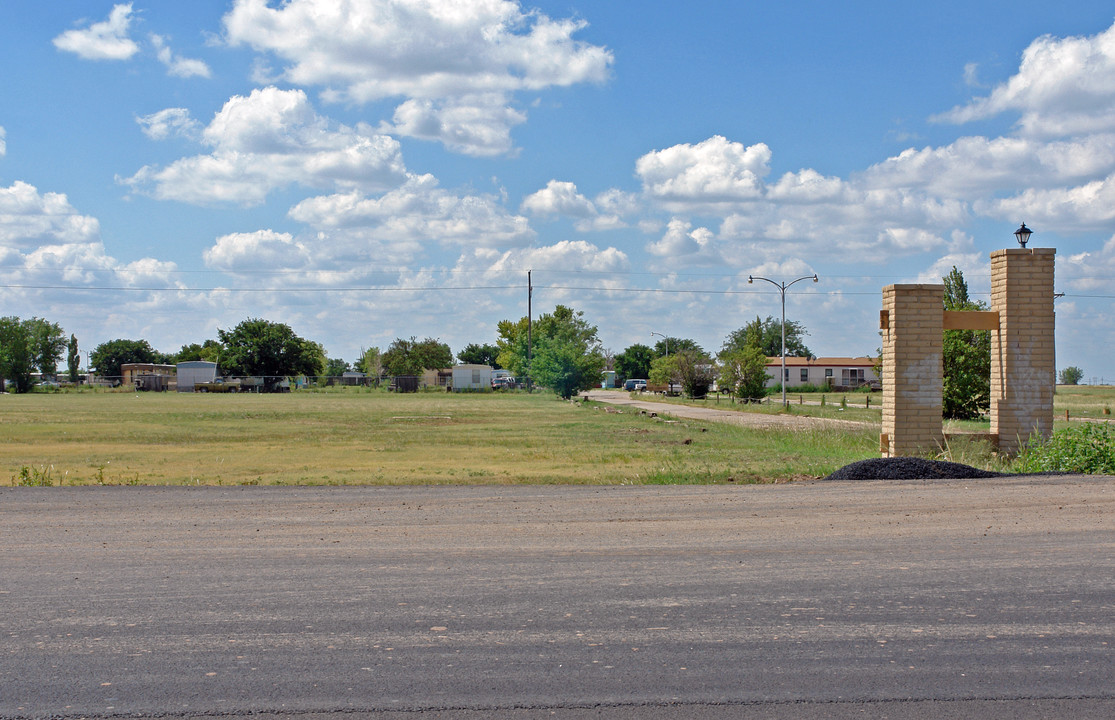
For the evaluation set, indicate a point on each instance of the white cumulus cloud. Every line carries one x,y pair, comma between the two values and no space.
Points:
264,249
417,212
710,173
457,65
266,141
105,40
1064,86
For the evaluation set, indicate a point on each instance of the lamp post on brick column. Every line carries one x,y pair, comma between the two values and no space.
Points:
782,288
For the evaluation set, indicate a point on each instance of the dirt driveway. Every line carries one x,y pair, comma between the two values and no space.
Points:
747,419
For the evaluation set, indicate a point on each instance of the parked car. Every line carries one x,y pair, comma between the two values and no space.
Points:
634,384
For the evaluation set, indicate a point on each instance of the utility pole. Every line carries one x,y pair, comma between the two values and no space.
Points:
530,346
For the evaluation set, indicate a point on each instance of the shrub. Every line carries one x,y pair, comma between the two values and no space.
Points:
1087,448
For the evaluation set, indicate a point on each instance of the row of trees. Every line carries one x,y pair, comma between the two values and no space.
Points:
561,351
255,347
35,345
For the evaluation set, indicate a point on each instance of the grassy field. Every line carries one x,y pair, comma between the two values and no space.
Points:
363,437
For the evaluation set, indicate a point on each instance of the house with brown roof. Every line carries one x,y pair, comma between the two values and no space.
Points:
839,373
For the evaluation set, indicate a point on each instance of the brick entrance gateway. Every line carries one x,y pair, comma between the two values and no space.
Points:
1023,370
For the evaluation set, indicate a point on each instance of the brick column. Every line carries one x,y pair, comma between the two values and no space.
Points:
912,369
1023,366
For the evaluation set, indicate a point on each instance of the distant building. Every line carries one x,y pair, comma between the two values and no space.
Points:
148,375
193,372
437,378
839,373
472,378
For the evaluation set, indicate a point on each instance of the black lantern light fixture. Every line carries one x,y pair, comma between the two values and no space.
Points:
1023,234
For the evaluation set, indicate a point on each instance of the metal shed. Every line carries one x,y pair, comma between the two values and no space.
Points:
193,372
472,378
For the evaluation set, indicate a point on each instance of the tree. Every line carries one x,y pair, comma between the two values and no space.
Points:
106,358
1071,375
563,365
744,372
565,353
411,357
673,346
474,354
512,341
336,367
663,370
47,343
261,348
634,362
371,363
967,357
17,358
209,351
696,371
73,359
767,335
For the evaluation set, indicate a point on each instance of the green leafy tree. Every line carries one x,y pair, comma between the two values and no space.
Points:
106,358
17,359
47,344
566,352
634,362
411,357
563,365
767,335
261,348
336,367
512,341
371,363
474,354
663,370
73,359
967,357
1071,375
744,372
673,346
209,351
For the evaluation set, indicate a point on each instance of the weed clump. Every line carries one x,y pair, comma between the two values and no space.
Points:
1088,448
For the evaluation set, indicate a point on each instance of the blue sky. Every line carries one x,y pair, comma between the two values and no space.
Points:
370,170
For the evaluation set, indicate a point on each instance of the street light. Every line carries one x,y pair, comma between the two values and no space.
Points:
782,288
1023,234
666,339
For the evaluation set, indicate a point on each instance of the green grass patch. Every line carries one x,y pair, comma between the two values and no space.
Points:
361,438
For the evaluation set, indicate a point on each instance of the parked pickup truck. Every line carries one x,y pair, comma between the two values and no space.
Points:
218,386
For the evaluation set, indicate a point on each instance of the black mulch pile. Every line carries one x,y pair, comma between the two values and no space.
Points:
908,468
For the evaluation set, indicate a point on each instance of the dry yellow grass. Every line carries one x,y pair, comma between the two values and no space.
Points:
360,437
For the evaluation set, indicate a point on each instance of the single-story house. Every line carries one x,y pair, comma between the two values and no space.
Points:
839,373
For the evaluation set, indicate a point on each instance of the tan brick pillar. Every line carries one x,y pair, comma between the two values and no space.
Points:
1023,366
912,369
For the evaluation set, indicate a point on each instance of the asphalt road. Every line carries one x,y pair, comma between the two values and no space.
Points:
989,598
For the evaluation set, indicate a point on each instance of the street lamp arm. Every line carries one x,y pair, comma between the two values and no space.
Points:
782,287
